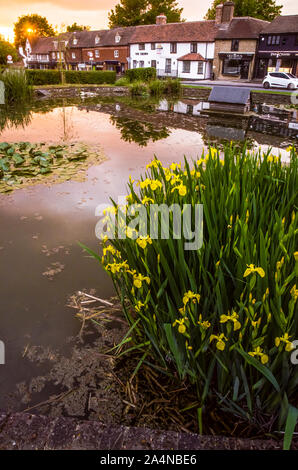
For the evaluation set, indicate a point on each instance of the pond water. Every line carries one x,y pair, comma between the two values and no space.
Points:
41,264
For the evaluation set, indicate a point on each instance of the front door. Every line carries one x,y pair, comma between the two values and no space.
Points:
244,70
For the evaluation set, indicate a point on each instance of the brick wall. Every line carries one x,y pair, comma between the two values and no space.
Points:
107,54
224,45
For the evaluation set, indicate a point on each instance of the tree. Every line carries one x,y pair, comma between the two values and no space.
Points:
262,9
7,49
138,12
77,27
31,26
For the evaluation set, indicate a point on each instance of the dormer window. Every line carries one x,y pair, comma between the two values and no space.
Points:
97,39
75,41
117,38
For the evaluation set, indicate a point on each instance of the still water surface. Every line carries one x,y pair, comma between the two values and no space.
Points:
40,226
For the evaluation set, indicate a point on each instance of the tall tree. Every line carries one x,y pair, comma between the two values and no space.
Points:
31,26
262,9
77,27
138,12
7,49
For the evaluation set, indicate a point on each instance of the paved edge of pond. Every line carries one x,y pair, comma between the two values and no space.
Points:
23,431
57,91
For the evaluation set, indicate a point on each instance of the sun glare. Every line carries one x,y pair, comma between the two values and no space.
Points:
7,33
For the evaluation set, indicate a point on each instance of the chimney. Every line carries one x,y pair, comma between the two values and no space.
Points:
227,12
218,15
161,19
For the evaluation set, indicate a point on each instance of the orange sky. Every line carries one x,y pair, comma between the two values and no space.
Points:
93,12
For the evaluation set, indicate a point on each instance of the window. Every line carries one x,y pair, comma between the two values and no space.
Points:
284,40
235,45
134,64
53,55
141,47
142,63
273,40
200,68
116,53
97,53
73,55
231,67
153,64
173,48
168,65
75,41
97,39
90,54
117,38
186,66
194,47
153,46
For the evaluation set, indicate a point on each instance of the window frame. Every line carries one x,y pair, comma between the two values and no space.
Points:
200,63
173,48
235,45
193,47
186,64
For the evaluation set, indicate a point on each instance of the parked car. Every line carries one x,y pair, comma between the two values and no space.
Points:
280,80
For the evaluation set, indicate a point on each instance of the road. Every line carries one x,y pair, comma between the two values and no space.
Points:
211,83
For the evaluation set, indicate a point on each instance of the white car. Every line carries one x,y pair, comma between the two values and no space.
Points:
280,80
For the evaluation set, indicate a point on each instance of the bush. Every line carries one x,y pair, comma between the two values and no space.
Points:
141,74
43,77
172,86
17,87
96,77
138,89
53,77
157,87
221,317
123,81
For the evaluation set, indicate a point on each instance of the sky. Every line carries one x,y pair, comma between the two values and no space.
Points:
93,13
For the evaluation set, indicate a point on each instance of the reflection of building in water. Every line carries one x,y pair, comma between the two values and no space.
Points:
185,114
184,106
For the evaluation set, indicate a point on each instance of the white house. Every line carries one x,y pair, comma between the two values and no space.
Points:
184,50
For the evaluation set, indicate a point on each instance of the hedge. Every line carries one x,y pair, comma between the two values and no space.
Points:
141,74
53,77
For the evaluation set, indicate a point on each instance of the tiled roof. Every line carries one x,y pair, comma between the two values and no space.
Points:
283,24
175,32
42,45
125,35
241,28
192,56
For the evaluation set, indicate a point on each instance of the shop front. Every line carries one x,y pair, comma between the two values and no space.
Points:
286,62
236,65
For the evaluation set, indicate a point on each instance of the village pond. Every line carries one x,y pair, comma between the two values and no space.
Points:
41,262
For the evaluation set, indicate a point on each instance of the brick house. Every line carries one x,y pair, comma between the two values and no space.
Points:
278,47
236,43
